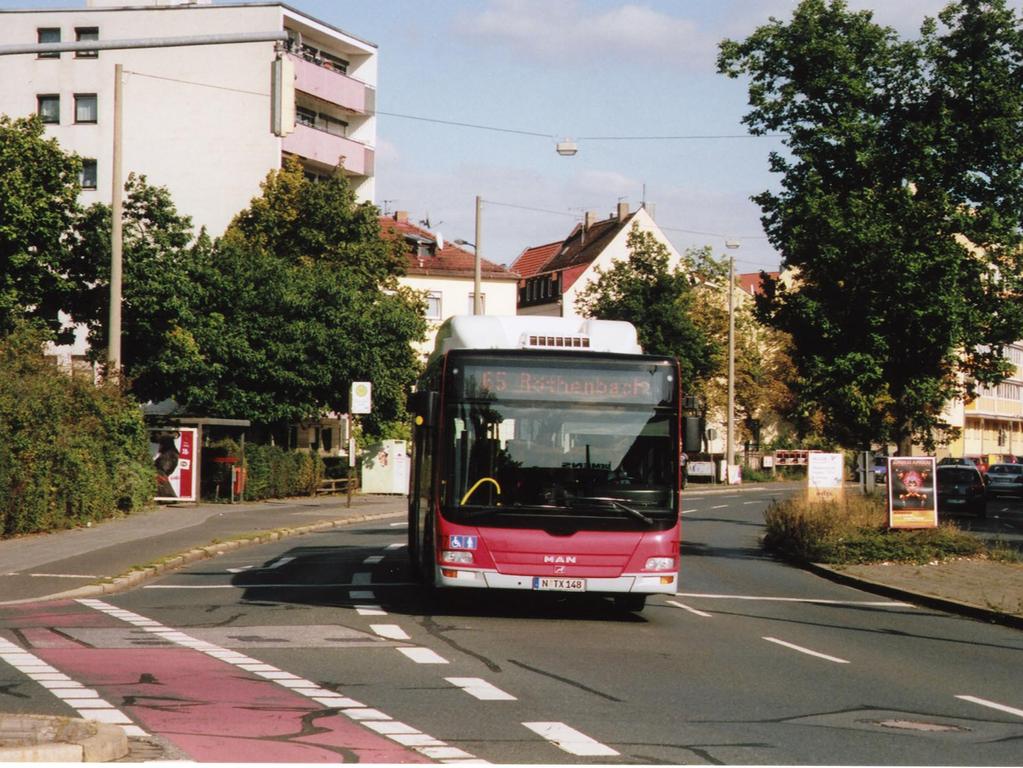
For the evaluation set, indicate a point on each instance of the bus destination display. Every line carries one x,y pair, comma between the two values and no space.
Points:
648,385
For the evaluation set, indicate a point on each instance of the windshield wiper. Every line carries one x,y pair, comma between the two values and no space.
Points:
618,505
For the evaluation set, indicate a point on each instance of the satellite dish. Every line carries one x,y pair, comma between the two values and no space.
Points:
440,241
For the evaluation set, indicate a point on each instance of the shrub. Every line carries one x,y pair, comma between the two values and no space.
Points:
854,530
70,452
274,472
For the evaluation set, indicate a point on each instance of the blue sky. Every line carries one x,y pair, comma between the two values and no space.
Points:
583,69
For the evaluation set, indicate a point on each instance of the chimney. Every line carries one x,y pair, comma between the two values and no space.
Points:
623,211
401,217
589,220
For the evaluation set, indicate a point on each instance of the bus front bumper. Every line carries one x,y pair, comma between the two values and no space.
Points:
640,583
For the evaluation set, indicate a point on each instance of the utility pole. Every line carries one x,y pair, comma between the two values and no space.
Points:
730,429
477,301
116,239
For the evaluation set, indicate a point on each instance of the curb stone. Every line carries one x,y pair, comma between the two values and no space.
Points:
43,738
136,577
939,603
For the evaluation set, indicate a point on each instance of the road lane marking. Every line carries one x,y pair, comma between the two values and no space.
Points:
687,608
817,601
423,655
390,631
286,585
370,610
372,559
426,745
480,688
403,524
570,740
807,651
687,511
720,506
85,701
64,576
398,545
992,705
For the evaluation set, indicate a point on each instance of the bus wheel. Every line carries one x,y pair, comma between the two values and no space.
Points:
630,603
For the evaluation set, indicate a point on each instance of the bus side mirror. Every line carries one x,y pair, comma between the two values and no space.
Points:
423,406
692,433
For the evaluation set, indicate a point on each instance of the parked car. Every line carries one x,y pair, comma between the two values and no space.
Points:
961,487
1005,479
880,469
964,461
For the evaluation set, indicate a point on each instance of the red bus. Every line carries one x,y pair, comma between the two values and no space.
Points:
546,457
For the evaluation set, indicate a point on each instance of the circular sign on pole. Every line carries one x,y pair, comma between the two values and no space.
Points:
362,397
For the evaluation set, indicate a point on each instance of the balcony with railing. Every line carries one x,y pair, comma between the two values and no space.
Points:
332,86
326,148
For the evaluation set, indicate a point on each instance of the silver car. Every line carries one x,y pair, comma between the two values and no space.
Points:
1005,479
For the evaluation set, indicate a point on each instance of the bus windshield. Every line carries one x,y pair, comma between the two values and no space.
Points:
579,442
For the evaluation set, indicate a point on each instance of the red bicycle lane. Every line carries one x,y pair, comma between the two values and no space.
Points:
212,710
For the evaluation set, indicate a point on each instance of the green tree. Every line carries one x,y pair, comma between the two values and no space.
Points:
39,189
899,211
303,302
659,300
165,280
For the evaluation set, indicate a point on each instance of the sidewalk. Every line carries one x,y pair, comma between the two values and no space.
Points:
117,554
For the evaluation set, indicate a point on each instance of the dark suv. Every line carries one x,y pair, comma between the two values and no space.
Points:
961,487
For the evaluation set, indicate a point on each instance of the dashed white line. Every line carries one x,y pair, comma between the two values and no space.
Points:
688,608
85,701
992,705
720,506
390,631
370,610
403,524
423,655
480,688
397,545
807,651
571,740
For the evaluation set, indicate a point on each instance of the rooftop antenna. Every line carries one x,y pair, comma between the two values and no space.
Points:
387,206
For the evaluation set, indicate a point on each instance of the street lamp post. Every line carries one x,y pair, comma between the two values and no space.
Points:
477,262
730,429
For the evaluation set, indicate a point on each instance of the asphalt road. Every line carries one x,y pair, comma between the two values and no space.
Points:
320,648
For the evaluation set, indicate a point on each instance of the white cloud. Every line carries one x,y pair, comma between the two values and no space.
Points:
571,30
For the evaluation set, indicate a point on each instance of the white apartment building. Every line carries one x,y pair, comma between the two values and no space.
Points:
196,119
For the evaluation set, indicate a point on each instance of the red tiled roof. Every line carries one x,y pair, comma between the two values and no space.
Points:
449,261
751,281
532,260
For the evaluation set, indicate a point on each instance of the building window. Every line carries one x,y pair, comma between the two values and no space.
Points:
49,107
433,306
472,303
48,35
83,35
89,174
85,108
305,117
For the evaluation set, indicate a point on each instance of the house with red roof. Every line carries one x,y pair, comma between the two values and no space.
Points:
445,274
553,275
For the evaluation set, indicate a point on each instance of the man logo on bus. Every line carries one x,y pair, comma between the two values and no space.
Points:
570,559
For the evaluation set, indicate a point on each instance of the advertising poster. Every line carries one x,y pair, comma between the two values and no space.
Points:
173,452
912,497
824,474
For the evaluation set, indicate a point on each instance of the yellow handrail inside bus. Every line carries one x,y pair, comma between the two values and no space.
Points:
479,482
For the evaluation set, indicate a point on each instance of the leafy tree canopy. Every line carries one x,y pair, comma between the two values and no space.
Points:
39,188
899,211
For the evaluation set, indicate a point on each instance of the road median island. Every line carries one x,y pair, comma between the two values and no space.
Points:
849,541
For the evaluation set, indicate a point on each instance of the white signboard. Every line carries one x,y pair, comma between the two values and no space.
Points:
362,397
825,471
700,468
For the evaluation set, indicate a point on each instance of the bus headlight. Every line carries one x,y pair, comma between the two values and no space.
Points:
659,564
457,556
